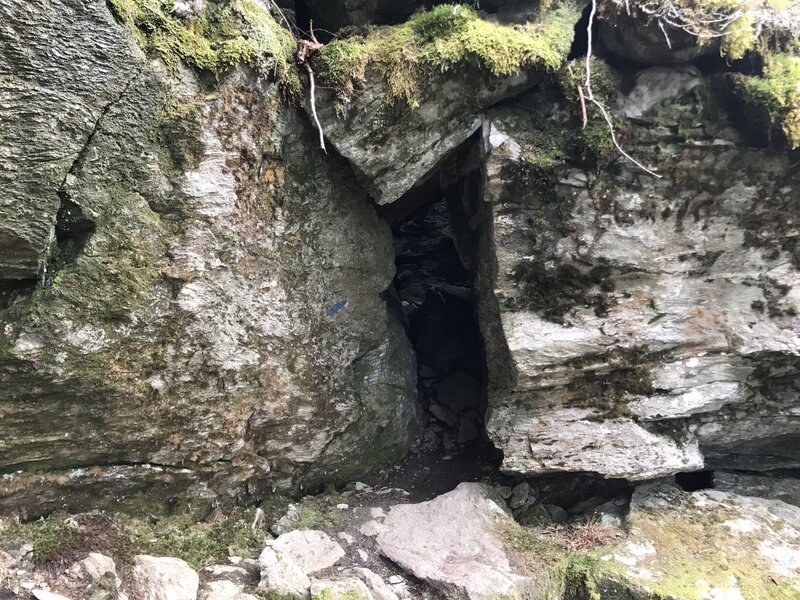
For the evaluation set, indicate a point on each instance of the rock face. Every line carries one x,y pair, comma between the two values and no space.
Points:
210,313
637,326
711,544
637,38
335,14
377,142
455,542
49,115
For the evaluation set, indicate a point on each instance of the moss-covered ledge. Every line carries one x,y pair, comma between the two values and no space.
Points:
775,96
222,35
443,39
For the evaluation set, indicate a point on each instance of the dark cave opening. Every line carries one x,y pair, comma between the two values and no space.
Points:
434,290
695,480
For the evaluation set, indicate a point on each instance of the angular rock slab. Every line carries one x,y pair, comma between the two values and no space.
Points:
653,320
785,489
280,574
163,578
711,544
312,550
572,440
455,543
392,154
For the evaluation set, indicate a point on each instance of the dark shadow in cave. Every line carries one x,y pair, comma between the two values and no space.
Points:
695,480
434,289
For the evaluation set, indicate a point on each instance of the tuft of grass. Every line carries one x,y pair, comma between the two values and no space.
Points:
440,40
58,542
777,93
225,34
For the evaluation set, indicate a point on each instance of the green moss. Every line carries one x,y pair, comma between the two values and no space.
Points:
593,142
777,94
695,553
575,574
329,594
57,541
225,34
446,37
315,512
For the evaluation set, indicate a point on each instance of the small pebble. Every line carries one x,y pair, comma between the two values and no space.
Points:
342,506
395,579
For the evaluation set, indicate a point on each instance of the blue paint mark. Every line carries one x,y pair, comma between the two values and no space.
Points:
335,308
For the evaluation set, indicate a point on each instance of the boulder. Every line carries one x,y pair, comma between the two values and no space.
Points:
710,544
394,147
312,550
605,351
99,573
163,578
455,542
280,574
211,320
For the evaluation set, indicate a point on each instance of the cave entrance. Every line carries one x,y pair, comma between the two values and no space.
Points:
435,295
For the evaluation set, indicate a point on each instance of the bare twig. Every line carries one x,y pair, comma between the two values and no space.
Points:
597,103
583,106
305,48
314,108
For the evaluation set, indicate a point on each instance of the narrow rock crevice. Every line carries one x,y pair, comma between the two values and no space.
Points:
435,291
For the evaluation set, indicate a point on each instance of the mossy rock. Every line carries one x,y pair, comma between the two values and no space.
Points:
445,38
223,35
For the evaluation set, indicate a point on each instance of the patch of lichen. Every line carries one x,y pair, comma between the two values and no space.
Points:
329,594
776,94
695,552
225,34
440,40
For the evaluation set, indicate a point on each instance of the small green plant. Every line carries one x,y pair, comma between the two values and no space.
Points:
777,93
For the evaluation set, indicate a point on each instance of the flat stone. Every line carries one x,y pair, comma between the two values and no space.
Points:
163,578
312,550
454,542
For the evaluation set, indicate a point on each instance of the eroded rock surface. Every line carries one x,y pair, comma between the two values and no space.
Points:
638,326
210,318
